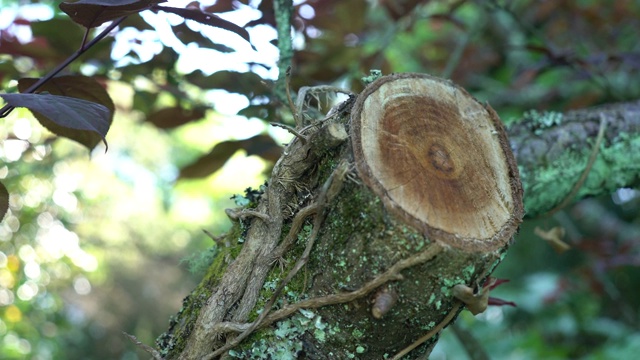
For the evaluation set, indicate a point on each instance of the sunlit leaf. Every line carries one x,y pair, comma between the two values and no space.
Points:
92,13
77,119
208,19
172,117
4,201
260,145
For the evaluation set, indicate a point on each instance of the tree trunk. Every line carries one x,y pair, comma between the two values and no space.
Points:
365,246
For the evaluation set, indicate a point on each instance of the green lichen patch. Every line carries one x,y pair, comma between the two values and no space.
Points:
616,165
373,76
540,120
284,340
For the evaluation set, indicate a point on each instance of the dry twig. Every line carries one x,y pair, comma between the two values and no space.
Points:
153,352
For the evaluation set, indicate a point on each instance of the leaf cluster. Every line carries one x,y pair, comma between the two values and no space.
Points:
78,107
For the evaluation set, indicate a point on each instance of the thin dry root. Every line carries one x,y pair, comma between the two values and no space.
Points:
431,333
236,215
153,352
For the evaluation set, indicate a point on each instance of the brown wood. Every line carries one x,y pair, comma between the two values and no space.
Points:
439,160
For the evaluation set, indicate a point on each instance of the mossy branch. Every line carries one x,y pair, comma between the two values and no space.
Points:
283,10
553,150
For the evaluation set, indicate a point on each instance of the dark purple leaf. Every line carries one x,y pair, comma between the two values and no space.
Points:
75,86
249,84
499,302
4,201
224,6
65,116
172,117
495,282
187,36
211,162
263,111
208,19
92,13
260,145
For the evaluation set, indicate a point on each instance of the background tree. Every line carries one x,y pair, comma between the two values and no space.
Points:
518,56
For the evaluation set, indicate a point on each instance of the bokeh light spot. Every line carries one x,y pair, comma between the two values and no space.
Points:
82,286
12,314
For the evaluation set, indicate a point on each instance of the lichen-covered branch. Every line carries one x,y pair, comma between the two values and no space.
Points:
283,10
553,149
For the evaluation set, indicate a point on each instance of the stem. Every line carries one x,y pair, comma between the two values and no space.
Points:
283,10
6,110
470,343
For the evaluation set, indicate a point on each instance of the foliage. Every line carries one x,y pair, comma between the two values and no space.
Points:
552,56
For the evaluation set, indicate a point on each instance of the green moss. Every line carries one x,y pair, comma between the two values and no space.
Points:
538,121
199,262
174,340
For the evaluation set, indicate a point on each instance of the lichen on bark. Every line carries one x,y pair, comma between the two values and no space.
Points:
552,156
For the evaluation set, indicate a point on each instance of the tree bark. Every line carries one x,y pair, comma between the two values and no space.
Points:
329,264
553,150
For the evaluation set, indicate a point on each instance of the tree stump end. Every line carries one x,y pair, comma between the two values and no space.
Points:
439,160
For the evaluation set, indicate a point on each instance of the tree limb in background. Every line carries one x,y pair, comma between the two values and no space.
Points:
554,149
283,10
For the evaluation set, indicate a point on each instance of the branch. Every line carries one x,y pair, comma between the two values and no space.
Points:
553,151
283,10
153,352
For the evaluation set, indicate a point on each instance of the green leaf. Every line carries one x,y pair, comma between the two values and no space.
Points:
76,119
92,13
172,117
208,19
260,145
4,201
